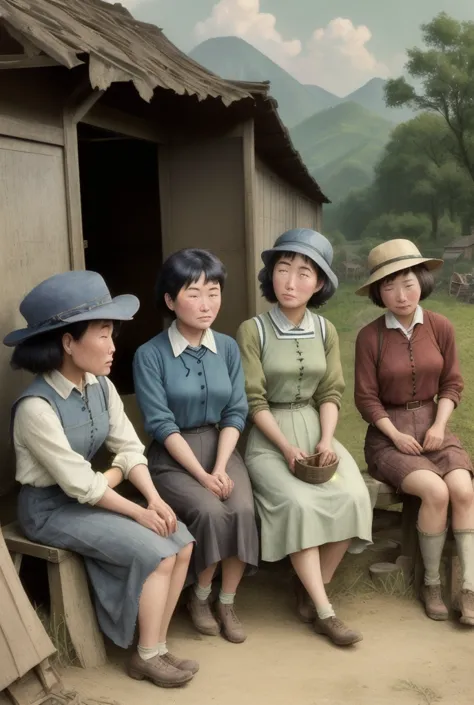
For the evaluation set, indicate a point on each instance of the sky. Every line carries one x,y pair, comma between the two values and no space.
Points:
336,44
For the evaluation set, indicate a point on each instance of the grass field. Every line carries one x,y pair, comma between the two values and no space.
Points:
349,313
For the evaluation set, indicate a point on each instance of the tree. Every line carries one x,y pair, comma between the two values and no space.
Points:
418,172
412,226
445,70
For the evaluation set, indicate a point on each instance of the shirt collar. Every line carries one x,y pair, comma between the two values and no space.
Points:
179,343
392,322
284,325
64,386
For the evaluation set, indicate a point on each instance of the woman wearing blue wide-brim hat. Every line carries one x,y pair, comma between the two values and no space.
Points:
294,385
136,557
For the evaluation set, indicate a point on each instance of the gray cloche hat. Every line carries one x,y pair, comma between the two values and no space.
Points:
68,298
309,243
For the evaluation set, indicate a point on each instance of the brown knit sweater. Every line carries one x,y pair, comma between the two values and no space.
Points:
408,370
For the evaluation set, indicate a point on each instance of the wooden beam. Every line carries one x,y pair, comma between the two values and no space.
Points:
80,102
30,130
117,121
19,61
251,246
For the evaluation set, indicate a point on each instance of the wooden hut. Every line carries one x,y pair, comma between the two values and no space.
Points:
460,249
117,149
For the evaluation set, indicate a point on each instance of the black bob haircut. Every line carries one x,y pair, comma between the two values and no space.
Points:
44,352
425,279
183,268
265,278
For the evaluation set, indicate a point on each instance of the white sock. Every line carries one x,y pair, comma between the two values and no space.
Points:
148,652
465,545
431,548
226,598
202,593
326,611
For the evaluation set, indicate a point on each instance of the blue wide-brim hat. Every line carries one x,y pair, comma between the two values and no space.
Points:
68,298
310,243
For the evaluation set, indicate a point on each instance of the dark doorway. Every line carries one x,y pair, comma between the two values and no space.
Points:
122,231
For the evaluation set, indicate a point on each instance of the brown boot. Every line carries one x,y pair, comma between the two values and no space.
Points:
433,601
201,614
232,627
158,671
305,608
336,631
466,604
180,663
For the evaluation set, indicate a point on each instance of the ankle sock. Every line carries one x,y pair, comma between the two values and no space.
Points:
226,598
465,546
148,652
202,593
326,611
431,547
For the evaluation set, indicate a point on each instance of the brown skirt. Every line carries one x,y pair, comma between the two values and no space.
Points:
221,529
387,464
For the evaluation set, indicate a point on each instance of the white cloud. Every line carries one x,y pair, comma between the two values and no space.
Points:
336,57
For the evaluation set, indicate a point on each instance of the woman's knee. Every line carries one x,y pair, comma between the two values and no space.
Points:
184,555
436,495
461,493
167,565
428,486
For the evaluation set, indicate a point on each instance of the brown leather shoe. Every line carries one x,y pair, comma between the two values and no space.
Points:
182,664
433,601
201,614
336,631
466,603
305,608
158,671
232,627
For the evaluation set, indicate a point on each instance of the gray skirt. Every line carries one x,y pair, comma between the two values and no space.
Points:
222,529
119,554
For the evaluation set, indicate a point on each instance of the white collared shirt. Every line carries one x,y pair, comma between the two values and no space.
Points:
392,322
179,343
44,456
284,328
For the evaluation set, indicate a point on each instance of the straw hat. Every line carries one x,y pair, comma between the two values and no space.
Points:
394,256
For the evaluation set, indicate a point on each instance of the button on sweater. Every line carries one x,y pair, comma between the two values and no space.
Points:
196,388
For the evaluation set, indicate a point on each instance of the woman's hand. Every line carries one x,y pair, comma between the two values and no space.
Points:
328,456
434,438
165,512
211,483
150,520
226,483
294,453
407,444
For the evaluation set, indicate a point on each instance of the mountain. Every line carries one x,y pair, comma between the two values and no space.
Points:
234,58
371,96
341,146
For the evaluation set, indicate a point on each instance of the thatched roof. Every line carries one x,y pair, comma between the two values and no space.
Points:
118,48
461,243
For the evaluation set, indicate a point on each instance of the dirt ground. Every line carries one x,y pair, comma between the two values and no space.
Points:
404,659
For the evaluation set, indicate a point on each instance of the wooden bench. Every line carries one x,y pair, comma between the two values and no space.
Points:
70,601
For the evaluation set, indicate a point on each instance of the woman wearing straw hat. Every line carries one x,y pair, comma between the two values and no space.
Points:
136,557
405,359
294,385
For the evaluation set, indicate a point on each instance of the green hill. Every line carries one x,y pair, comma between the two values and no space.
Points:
341,146
234,58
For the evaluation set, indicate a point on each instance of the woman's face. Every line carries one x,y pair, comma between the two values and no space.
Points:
295,281
94,351
198,304
401,295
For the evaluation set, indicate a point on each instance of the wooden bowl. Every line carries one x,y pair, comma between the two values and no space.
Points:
309,470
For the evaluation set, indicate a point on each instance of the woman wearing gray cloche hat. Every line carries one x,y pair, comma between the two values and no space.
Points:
294,385
136,557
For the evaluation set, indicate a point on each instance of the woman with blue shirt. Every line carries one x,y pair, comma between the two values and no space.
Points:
190,388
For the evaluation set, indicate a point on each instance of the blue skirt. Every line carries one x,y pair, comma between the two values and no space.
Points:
119,554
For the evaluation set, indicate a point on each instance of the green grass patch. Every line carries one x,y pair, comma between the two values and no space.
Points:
349,313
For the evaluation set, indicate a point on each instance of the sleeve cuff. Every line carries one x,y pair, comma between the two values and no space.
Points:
453,396
96,492
333,400
127,461
239,424
258,407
